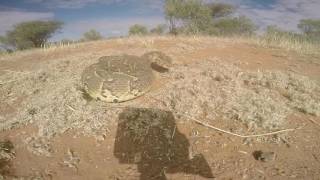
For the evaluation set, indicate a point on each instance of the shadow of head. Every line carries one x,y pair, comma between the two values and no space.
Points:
150,139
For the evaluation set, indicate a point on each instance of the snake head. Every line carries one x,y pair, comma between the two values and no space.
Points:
159,61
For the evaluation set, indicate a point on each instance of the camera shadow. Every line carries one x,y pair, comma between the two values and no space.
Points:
150,139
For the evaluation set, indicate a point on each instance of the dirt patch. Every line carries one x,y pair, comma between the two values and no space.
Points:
220,83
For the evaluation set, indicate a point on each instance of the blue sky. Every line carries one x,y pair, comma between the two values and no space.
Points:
113,17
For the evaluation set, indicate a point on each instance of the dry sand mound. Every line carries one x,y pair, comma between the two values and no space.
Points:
53,99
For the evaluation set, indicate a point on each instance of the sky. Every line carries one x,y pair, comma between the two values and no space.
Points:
114,17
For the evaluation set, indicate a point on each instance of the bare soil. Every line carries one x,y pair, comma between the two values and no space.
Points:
235,86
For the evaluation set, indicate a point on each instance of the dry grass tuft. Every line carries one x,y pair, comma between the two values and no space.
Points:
212,89
288,43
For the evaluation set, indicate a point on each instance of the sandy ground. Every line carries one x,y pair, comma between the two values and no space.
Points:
57,134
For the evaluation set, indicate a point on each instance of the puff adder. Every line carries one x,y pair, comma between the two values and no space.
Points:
123,77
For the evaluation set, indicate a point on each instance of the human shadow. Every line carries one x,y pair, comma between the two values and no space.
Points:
150,139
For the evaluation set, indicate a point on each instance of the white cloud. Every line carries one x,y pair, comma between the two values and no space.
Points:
72,4
75,4
106,26
8,18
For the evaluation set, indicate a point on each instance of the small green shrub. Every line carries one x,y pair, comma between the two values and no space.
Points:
138,29
92,35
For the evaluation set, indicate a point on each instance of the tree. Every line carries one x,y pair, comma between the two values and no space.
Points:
195,17
235,26
92,35
219,10
172,13
138,29
31,34
159,29
192,15
310,27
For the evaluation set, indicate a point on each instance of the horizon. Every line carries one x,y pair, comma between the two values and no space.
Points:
113,18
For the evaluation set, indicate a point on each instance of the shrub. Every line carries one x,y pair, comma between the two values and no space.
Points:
219,10
138,29
92,35
235,26
274,33
310,26
301,43
31,34
159,29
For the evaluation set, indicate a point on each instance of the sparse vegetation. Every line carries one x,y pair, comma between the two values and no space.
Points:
195,17
276,37
92,35
260,99
159,29
238,26
138,29
184,17
67,41
31,34
311,27
224,100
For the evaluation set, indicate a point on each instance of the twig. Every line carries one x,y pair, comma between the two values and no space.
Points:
174,131
314,121
70,107
243,152
239,135
231,133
